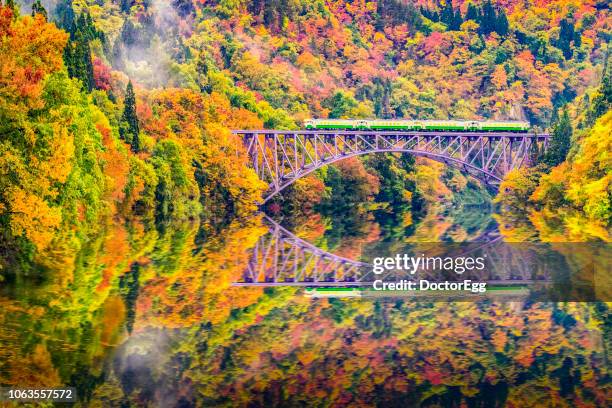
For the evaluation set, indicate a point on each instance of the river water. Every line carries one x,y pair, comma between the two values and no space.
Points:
149,316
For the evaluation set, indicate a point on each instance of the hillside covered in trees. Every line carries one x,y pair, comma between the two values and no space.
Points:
123,108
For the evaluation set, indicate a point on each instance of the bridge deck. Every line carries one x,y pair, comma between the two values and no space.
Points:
541,136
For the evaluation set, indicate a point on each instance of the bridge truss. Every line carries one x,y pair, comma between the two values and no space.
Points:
282,157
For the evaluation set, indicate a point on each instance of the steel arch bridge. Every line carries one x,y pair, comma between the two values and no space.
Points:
279,258
282,157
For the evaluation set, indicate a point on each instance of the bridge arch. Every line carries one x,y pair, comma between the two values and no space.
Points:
470,170
282,157
280,258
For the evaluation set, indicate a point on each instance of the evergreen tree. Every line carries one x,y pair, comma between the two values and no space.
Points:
129,288
501,25
395,12
64,16
77,54
77,58
126,5
560,142
577,39
111,96
379,24
84,55
472,13
129,33
488,19
566,36
457,20
37,8
129,127
447,15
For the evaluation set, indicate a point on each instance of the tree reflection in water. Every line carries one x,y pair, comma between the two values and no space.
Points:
144,317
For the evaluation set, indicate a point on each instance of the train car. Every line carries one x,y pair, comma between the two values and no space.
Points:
417,125
334,124
390,124
504,126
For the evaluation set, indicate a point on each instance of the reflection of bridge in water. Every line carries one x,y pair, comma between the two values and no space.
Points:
280,157
280,258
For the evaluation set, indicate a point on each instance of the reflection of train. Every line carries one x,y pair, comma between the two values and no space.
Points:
342,292
333,292
417,125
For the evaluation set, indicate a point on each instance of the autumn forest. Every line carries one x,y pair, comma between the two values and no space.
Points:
128,208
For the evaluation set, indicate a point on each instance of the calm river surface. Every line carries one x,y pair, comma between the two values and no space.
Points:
145,316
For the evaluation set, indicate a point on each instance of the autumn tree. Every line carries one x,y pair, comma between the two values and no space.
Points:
32,155
11,5
343,104
351,184
396,185
602,101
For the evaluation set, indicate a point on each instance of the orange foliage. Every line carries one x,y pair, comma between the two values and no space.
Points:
39,46
116,165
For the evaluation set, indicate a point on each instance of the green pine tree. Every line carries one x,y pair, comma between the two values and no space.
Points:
566,36
83,55
129,288
37,8
489,18
457,21
472,13
64,16
126,5
130,129
560,142
501,25
447,15
77,58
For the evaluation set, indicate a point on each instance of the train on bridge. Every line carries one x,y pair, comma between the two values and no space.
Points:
417,125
